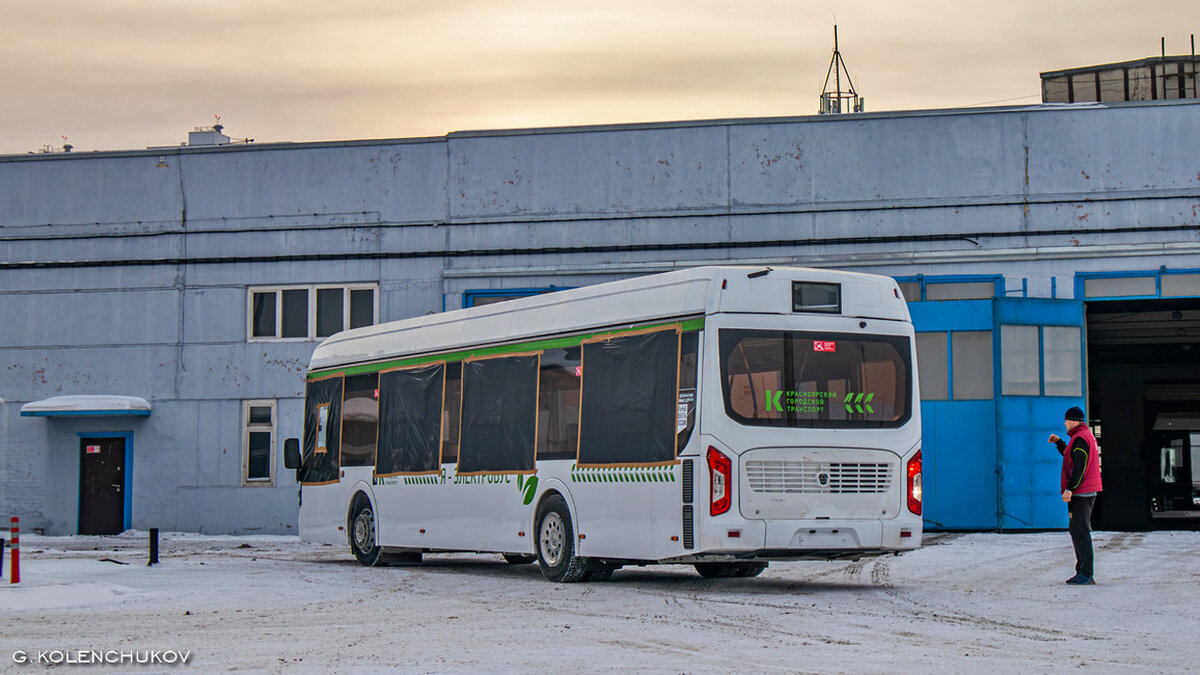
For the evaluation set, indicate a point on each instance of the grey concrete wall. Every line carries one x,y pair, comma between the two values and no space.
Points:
127,273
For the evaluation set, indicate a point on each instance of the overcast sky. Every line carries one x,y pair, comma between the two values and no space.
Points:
118,74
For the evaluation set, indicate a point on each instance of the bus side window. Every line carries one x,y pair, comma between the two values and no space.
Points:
688,366
629,408
322,431
499,414
411,420
558,404
360,420
451,413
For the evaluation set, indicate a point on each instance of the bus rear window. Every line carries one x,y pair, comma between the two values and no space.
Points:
822,380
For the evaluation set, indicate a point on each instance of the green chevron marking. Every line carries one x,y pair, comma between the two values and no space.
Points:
622,475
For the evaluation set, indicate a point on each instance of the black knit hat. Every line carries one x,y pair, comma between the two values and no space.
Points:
1074,413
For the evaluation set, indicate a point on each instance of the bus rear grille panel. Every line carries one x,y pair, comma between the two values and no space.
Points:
689,537
784,477
687,481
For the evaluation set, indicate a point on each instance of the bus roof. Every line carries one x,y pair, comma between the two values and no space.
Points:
665,297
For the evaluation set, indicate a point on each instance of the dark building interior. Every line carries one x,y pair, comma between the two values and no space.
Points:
1144,395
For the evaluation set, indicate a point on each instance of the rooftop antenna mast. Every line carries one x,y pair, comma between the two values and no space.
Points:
838,101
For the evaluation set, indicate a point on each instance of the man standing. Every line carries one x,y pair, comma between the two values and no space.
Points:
1080,484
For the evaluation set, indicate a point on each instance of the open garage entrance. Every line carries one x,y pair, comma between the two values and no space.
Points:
1144,394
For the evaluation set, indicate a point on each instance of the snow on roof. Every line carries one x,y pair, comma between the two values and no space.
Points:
87,405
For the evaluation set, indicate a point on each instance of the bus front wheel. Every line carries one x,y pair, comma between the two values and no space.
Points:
556,543
363,541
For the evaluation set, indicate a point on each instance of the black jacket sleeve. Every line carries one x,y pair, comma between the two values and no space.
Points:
1079,459
1061,445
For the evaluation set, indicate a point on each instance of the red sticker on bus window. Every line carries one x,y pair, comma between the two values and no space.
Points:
578,371
824,346
93,449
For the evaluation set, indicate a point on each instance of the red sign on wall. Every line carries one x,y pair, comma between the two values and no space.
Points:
824,346
93,449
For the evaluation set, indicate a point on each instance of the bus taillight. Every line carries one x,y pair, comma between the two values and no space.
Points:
914,483
720,474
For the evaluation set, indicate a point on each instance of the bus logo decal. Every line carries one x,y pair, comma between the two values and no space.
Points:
773,401
857,403
528,488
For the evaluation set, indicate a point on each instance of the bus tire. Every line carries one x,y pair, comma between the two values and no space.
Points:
519,558
714,570
556,543
724,570
750,570
363,541
600,571
400,557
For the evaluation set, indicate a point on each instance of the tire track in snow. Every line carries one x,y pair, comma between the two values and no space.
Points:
881,577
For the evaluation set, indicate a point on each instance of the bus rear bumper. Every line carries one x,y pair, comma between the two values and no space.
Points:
827,534
809,539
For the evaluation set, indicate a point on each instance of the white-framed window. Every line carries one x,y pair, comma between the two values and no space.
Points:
309,312
258,443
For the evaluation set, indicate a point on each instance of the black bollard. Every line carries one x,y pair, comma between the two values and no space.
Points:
153,547
1,557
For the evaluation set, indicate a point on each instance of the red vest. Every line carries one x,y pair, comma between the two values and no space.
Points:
1091,472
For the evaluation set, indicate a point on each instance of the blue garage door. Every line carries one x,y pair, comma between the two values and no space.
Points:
996,376
1041,374
958,412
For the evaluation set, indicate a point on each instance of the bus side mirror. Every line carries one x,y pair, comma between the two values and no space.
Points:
291,453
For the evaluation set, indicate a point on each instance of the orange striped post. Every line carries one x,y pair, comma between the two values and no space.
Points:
16,553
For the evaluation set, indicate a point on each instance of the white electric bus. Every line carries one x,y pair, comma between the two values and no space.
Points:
722,417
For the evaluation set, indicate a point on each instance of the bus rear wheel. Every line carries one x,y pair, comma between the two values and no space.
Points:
751,569
600,571
363,542
722,570
556,543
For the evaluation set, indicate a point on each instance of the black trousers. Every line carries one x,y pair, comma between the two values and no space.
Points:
1081,533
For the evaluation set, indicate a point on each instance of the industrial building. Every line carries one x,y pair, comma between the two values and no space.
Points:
166,301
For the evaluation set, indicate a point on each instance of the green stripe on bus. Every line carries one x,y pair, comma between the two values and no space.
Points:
538,345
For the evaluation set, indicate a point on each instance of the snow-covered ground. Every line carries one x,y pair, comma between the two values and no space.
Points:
962,603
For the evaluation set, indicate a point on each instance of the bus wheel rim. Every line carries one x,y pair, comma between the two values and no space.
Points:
364,531
552,539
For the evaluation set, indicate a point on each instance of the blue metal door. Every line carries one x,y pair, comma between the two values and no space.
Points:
958,428
1041,372
996,377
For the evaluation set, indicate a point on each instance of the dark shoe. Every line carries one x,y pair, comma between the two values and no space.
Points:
1081,580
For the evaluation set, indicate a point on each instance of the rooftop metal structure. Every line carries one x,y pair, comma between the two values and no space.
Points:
838,100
